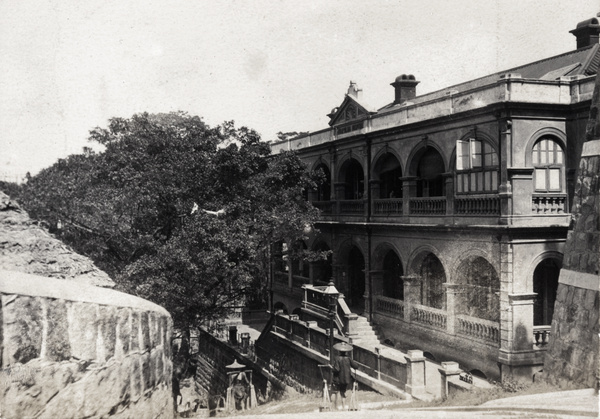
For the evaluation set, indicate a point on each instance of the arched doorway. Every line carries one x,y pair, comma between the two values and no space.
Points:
356,280
545,284
433,278
393,286
480,289
430,181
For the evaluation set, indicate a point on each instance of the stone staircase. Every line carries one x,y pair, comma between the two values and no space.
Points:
366,335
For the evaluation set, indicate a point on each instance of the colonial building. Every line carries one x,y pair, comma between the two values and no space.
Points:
446,213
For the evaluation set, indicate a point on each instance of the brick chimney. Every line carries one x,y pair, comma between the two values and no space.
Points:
405,88
587,33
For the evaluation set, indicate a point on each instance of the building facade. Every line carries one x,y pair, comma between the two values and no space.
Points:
446,214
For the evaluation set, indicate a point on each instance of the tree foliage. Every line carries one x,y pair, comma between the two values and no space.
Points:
137,209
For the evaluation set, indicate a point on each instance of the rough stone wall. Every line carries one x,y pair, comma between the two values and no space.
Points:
73,351
572,357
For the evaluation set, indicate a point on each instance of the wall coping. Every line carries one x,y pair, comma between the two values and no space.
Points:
580,279
12,282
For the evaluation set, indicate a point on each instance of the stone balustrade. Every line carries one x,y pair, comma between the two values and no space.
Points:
392,206
429,316
82,351
479,329
388,305
477,205
549,203
428,206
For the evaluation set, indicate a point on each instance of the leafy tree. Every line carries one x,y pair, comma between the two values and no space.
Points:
176,211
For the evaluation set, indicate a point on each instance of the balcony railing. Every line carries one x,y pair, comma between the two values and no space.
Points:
478,328
429,316
548,204
388,305
354,206
326,207
428,206
477,205
391,206
541,334
485,206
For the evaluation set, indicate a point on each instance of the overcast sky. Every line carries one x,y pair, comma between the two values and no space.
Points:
67,66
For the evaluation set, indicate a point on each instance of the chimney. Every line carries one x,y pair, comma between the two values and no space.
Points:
405,87
586,32
354,91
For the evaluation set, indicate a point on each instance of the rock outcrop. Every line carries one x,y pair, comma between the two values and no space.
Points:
27,247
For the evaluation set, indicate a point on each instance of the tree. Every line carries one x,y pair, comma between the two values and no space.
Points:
132,209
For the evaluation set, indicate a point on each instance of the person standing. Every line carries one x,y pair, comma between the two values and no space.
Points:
342,376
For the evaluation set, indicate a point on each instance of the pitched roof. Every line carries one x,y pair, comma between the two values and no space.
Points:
583,61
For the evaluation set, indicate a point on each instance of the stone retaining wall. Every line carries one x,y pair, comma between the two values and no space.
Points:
71,351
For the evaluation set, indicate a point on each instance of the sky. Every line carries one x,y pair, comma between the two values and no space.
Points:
67,66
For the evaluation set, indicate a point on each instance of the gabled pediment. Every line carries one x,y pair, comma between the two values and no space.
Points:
351,109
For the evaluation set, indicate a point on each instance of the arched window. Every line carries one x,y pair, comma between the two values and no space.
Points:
476,167
548,159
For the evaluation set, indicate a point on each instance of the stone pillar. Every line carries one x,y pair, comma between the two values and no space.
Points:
448,371
375,188
339,194
452,290
522,190
522,321
415,373
449,183
409,189
412,294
